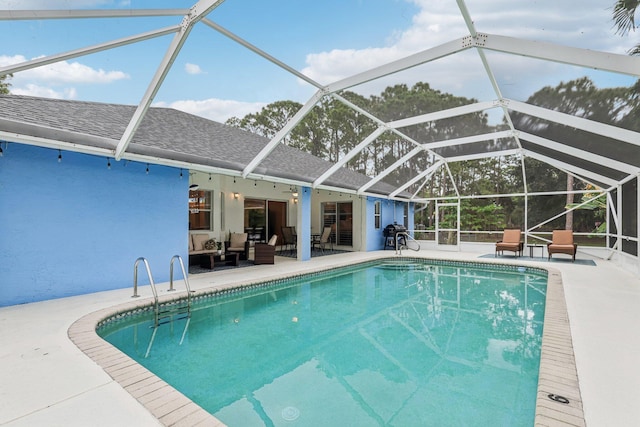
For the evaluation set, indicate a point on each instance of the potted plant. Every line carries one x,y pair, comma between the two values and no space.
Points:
219,245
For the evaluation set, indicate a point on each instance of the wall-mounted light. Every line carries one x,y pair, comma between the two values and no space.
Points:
236,195
193,187
295,200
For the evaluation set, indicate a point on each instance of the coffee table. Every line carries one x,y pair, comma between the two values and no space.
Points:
209,260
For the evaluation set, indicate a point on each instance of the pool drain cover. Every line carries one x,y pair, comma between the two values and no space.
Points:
290,413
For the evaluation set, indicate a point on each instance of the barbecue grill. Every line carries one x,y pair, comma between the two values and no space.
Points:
390,233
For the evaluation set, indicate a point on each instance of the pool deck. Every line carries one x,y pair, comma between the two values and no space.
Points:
46,380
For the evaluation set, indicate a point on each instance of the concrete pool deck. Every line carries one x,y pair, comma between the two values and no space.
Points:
46,380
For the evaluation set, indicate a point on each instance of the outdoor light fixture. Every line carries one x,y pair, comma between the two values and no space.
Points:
295,200
59,156
108,163
236,195
193,187
147,171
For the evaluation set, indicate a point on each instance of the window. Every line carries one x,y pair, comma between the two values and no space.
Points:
200,210
405,220
376,214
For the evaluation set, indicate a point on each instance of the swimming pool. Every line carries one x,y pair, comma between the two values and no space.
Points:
391,343
375,344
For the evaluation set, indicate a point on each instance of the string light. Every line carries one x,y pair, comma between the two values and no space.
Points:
108,163
180,173
59,156
209,177
147,171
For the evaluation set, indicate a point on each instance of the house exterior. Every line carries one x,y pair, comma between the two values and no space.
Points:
75,220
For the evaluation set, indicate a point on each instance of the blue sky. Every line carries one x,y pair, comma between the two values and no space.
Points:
329,40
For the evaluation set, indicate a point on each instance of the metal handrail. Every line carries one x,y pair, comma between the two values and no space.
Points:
135,279
184,276
407,237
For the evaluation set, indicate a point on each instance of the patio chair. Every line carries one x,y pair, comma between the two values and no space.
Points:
264,253
324,239
238,242
289,239
510,242
562,243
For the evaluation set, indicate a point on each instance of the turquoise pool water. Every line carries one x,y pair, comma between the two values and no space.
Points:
389,344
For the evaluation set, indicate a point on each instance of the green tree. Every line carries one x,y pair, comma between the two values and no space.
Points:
579,97
4,85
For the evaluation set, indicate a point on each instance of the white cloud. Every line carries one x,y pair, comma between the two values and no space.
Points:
440,21
63,72
218,110
192,68
46,81
44,92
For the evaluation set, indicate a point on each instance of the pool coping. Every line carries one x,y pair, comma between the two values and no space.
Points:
557,373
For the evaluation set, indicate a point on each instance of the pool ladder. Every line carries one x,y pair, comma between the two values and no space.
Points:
407,238
167,315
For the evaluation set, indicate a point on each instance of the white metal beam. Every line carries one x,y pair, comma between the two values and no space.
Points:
499,153
306,108
469,139
26,65
578,171
444,114
354,151
563,54
430,170
483,58
581,154
577,122
260,52
453,181
196,13
390,169
22,15
399,65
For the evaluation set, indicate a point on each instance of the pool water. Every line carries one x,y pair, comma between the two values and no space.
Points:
390,344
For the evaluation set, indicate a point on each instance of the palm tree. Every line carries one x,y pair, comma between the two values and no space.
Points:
624,12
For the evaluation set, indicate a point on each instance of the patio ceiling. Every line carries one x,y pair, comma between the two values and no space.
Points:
598,153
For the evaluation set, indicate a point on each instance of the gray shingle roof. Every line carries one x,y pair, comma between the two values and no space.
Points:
167,134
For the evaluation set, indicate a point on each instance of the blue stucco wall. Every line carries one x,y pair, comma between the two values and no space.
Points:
389,213
75,226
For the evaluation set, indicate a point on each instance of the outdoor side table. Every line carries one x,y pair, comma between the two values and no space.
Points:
535,246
